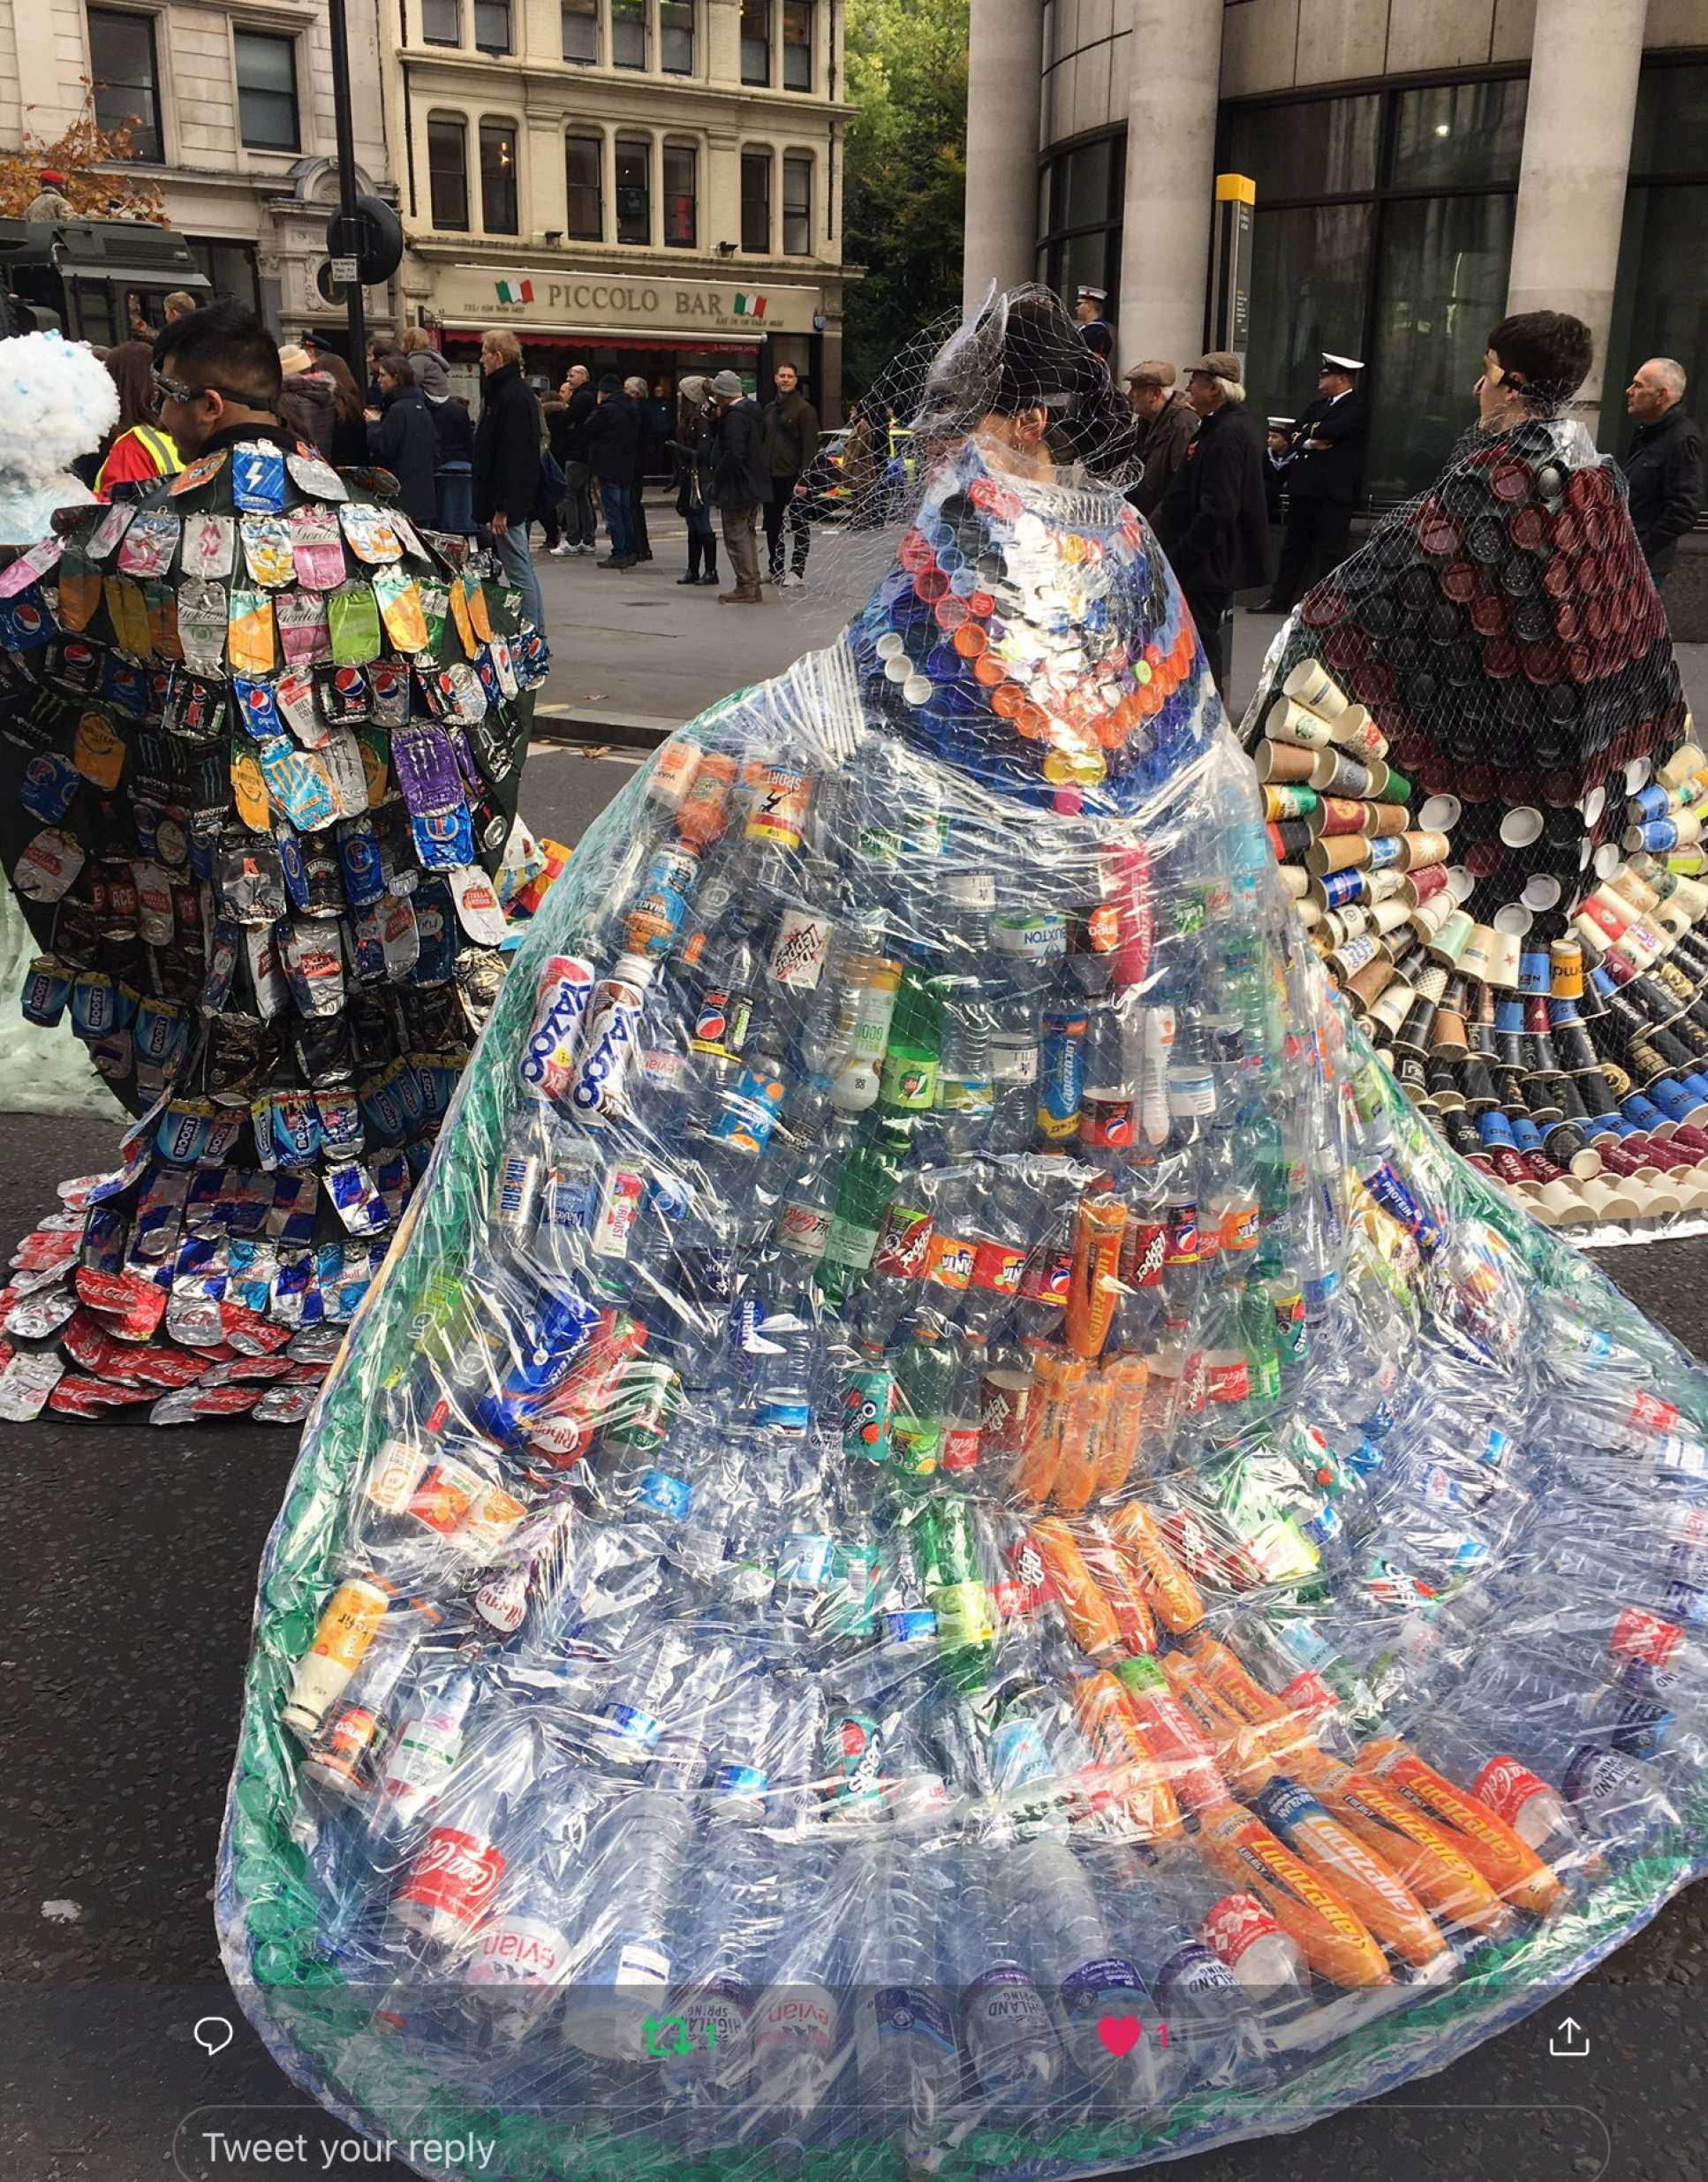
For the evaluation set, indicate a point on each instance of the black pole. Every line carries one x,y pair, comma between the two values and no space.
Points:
350,223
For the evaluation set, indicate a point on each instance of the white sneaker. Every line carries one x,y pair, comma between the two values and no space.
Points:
791,581
587,548
561,550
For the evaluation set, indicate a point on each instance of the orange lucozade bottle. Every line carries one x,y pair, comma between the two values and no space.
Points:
1321,1835
1142,1540
1457,1865
1042,1449
1137,1781
1240,1847
1083,1425
1088,1614
1126,1375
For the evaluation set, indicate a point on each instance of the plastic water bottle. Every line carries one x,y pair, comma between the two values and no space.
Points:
625,1896
1088,1980
1005,2022
904,2038
1209,2020
798,2031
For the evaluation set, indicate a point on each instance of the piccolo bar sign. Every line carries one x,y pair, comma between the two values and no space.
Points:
487,295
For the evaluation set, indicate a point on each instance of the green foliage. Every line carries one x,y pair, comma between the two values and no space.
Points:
906,172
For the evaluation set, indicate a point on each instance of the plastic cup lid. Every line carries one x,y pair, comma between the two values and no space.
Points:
1520,826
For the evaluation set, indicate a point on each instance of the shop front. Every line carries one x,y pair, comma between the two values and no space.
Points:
659,330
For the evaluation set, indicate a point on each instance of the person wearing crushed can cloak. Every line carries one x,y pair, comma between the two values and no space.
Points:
261,763
946,1481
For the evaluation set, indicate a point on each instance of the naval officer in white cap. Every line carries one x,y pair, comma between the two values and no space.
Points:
1320,467
1094,330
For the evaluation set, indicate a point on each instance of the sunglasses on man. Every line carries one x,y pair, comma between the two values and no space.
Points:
177,390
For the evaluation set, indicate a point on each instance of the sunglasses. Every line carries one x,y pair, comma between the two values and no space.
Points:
177,390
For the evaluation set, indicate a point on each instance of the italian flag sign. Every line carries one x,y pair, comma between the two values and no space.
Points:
517,291
749,305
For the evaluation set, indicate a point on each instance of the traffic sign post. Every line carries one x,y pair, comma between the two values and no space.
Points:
347,219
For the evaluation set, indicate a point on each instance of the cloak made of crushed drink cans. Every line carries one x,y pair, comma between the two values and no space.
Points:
260,746
1484,794
903,1564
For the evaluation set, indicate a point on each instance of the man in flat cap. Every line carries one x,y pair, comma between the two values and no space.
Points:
1319,467
1213,522
1094,330
1170,422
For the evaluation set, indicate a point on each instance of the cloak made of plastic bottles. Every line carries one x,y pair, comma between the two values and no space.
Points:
952,1536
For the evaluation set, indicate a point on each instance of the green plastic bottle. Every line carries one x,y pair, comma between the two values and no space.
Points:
914,1052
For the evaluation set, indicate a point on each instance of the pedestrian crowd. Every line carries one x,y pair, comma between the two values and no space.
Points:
1216,485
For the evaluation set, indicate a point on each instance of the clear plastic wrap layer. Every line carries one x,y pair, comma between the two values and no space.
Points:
952,1540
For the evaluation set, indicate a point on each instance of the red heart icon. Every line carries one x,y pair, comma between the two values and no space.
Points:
1120,2033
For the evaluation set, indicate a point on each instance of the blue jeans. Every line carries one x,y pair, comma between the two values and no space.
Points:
455,487
516,562
618,520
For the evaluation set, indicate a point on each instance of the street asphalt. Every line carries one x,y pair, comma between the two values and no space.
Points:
130,1560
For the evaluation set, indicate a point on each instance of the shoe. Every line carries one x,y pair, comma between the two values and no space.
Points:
793,581
643,557
738,597
611,561
587,548
560,551
691,576
712,577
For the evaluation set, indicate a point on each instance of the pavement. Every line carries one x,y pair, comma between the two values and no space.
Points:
129,1563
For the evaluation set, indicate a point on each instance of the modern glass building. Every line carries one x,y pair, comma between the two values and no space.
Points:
1419,170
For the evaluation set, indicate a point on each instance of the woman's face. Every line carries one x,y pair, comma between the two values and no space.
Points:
387,385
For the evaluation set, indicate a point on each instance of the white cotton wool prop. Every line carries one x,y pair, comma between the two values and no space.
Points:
57,401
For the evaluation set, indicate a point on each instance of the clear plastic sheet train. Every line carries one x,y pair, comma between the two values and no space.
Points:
954,1542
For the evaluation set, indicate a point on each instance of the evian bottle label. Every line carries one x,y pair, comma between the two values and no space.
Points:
520,1950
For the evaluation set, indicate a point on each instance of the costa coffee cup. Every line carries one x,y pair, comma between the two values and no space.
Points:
1431,880
1312,685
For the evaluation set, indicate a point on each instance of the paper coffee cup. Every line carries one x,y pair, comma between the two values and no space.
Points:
1312,685
1289,723
1477,956
1280,760
1341,852
1522,825
1678,768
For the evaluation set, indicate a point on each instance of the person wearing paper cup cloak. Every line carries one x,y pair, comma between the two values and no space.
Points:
259,765
1505,634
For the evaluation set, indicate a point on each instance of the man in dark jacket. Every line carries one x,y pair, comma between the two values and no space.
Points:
1319,465
613,442
741,485
569,438
1170,422
790,442
401,437
1663,466
507,464
1213,522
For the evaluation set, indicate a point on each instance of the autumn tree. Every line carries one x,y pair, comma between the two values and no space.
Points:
85,154
906,169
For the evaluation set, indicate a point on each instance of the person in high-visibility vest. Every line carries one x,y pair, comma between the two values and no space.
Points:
140,450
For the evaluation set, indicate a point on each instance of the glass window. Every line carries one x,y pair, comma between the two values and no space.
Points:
756,203
1310,270
492,26
1671,136
680,196
586,175
675,37
267,90
1458,132
634,189
756,40
1313,148
448,174
230,267
581,31
1655,311
126,82
628,33
1083,186
441,22
1443,284
498,213
796,207
798,45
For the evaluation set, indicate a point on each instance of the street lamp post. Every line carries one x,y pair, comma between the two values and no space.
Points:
350,219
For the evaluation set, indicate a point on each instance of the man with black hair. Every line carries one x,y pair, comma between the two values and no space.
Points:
613,450
217,375
1539,358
